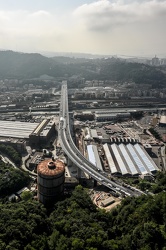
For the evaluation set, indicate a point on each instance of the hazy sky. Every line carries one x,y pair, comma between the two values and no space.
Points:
122,27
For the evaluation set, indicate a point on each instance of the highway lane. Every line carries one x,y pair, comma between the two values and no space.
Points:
85,166
75,155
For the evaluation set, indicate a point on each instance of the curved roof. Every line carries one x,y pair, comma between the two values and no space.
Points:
50,168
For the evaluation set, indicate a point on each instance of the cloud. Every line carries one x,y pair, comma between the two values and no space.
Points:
105,15
105,27
28,30
22,23
37,30
40,13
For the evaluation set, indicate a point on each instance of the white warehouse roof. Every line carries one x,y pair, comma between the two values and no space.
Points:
16,129
93,156
119,159
130,159
110,160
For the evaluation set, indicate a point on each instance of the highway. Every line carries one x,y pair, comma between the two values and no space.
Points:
76,156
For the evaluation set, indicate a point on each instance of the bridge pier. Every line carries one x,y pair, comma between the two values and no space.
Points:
79,172
95,183
69,162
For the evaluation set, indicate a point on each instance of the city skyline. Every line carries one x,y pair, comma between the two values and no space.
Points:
98,27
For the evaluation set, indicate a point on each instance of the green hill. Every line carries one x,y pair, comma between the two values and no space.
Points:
75,223
32,65
22,65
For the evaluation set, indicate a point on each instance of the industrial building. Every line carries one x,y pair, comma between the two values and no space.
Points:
93,156
162,122
16,129
93,133
35,160
107,202
18,144
42,133
111,116
50,180
84,115
16,134
111,163
129,159
105,117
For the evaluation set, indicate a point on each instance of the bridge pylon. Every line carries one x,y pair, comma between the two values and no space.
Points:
79,172
69,162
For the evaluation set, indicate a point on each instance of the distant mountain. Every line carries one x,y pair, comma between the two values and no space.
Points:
22,65
74,55
33,65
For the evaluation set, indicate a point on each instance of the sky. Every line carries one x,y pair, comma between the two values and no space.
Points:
108,27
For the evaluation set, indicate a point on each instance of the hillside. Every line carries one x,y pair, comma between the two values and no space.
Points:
26,66
75,223
22,65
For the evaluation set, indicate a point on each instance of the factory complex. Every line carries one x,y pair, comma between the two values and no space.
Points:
114,142
16,129
19,134
129,159
123,159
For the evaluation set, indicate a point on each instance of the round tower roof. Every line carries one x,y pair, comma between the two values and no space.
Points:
50,168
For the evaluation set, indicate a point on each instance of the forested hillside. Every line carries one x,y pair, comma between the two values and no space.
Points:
12,153
11,179
27,66
22,65
75,223
137,72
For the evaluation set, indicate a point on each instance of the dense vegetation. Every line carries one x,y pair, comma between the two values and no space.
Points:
75,223
11,153
137,72
23,66
23,223
154,186
11,179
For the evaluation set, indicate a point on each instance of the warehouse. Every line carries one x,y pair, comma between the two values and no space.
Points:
42,133
93,133
16,129
15,132
120,160
148,162
18,144
105,117
84,116
114,169
162,122
107,202
137,160
93,156
109,116
128,159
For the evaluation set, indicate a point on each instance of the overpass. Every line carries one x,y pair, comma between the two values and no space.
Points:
76,156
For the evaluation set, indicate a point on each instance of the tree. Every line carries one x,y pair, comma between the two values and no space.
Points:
26,195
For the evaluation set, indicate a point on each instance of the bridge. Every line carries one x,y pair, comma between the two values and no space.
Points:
76,156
